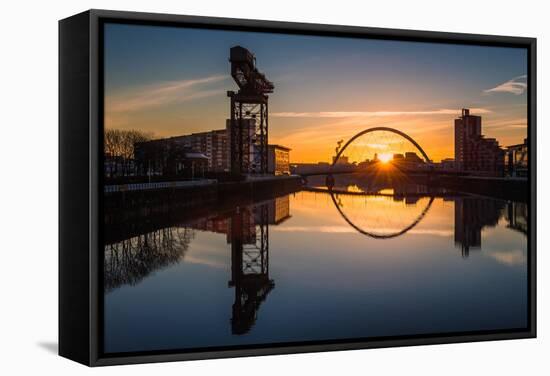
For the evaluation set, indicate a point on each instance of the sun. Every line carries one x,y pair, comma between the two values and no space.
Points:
385,157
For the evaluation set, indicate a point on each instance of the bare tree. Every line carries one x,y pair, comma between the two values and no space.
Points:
119,144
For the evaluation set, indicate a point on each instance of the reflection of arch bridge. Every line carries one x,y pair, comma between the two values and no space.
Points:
386,233
381,129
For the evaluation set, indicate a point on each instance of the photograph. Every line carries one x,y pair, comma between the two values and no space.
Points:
289,188
262,188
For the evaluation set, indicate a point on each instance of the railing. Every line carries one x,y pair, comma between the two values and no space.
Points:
159,185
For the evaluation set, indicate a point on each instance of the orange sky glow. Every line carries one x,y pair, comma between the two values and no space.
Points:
326,89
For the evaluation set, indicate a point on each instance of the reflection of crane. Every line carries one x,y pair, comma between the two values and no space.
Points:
249,114
249,265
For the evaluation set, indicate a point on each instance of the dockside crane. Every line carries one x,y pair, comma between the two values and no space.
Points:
248,123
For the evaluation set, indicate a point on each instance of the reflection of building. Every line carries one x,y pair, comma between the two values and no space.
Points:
471,215
517,216
279,210
516,159
217,224
278,160
474,152
248,234
247,230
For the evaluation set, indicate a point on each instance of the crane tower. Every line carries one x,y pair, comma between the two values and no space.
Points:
248,124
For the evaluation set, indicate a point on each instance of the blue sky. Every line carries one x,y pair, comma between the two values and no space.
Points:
173,81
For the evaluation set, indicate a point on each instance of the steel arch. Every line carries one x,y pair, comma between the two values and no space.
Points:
388,129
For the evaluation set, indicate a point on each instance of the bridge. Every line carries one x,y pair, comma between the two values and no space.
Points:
424,165
381,129
374,169
343,192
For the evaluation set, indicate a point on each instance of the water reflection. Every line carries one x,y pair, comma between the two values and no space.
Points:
389,225
471,216
397,218
247,232
131,260
516,215
249,238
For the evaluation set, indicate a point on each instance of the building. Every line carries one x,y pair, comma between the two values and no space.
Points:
214,144
409,160
278,160
398,158
413,158
309,168
516,159
342,160
365,164
447,164
117,166
473,152
193,165
168,157
249,142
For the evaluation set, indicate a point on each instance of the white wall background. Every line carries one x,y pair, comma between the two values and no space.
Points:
28,184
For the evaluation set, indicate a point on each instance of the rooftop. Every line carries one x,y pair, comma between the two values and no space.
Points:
276,146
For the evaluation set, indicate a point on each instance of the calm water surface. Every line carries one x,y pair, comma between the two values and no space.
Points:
315,266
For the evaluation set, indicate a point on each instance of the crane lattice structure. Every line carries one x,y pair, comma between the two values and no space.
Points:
249,265
248,124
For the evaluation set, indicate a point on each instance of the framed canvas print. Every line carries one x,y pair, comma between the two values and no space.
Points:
239,187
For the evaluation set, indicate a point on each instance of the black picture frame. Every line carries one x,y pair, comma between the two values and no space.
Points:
80,142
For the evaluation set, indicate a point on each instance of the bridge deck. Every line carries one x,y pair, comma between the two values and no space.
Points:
398,194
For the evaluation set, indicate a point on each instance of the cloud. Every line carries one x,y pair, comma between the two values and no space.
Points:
498,124
349,229
314,132
359,114
204,261
157,95
511,258
516,85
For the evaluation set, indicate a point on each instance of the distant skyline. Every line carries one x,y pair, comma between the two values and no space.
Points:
173,81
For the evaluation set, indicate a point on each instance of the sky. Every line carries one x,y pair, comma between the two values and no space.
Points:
172,81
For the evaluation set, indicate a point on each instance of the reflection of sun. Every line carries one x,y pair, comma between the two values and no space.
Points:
385,157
